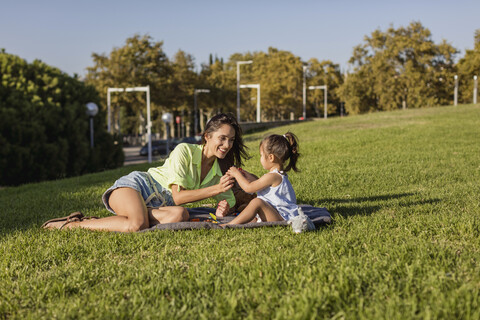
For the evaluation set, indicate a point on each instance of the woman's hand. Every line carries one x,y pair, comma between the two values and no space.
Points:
226,183
222,209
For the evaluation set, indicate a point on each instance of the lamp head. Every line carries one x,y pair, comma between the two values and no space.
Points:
92,109
167,117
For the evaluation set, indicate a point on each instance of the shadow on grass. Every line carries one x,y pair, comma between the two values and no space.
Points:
384,197
366,210
366,206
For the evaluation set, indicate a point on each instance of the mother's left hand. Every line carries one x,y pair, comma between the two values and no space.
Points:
222,209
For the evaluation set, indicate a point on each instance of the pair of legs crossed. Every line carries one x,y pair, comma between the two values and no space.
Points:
260,207
132,214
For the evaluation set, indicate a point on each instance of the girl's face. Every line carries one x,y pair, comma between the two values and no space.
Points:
266,163
219,142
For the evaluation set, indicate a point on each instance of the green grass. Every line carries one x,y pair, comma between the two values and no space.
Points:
403,188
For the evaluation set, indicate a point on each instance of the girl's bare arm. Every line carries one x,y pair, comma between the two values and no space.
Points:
249,176
267,180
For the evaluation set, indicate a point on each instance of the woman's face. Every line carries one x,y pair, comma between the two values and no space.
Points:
219,142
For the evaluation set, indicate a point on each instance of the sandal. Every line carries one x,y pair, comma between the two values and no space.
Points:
76,216
69,221
75,219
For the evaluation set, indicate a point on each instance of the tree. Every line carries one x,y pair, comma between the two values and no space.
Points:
399,68
140,62
220,78
324,73
468,67
184,81
280,76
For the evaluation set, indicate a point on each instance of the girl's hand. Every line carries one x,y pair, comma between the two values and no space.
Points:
222,209
226,183
234,172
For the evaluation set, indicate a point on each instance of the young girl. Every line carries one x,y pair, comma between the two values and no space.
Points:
276,199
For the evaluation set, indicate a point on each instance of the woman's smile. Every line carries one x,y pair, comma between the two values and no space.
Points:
223,150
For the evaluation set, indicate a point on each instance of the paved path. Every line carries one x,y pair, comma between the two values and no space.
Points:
132,156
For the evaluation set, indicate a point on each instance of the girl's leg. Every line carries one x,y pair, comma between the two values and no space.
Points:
264,210
167,215
131,212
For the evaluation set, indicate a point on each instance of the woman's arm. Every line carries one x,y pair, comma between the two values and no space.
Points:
185,196
267,180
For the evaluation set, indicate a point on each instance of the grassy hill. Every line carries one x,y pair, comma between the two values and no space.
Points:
403,189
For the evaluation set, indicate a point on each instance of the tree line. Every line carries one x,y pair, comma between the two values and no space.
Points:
392,69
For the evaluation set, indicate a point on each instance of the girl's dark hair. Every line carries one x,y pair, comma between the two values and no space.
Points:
238,153
284,147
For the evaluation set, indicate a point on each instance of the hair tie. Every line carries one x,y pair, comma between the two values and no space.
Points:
285,137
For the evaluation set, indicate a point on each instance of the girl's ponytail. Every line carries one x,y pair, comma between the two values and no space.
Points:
294,152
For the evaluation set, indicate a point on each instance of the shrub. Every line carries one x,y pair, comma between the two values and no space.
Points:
44,129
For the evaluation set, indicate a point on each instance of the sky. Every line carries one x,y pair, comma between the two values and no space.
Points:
65,33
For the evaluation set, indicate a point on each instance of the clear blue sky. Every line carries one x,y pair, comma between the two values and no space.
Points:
65,33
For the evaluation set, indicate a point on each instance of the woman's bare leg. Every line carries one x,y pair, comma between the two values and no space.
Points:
260,207
131,212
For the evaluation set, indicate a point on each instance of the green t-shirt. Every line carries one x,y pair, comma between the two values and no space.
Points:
183,167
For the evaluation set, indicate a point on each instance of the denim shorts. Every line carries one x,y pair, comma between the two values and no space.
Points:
153,193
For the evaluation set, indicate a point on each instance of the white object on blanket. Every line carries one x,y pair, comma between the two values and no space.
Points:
301,222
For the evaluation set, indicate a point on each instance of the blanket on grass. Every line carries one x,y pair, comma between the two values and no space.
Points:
200,219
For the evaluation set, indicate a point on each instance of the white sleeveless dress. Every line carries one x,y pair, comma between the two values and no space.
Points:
281,197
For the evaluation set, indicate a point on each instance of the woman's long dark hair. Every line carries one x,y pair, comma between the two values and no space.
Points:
238,153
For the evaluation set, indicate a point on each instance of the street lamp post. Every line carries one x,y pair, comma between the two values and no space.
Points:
238,85
304,92
195,125
475,89
325,99
167,118
455,92
255,86
92,110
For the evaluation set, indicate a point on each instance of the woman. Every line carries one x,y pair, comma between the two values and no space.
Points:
191,173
